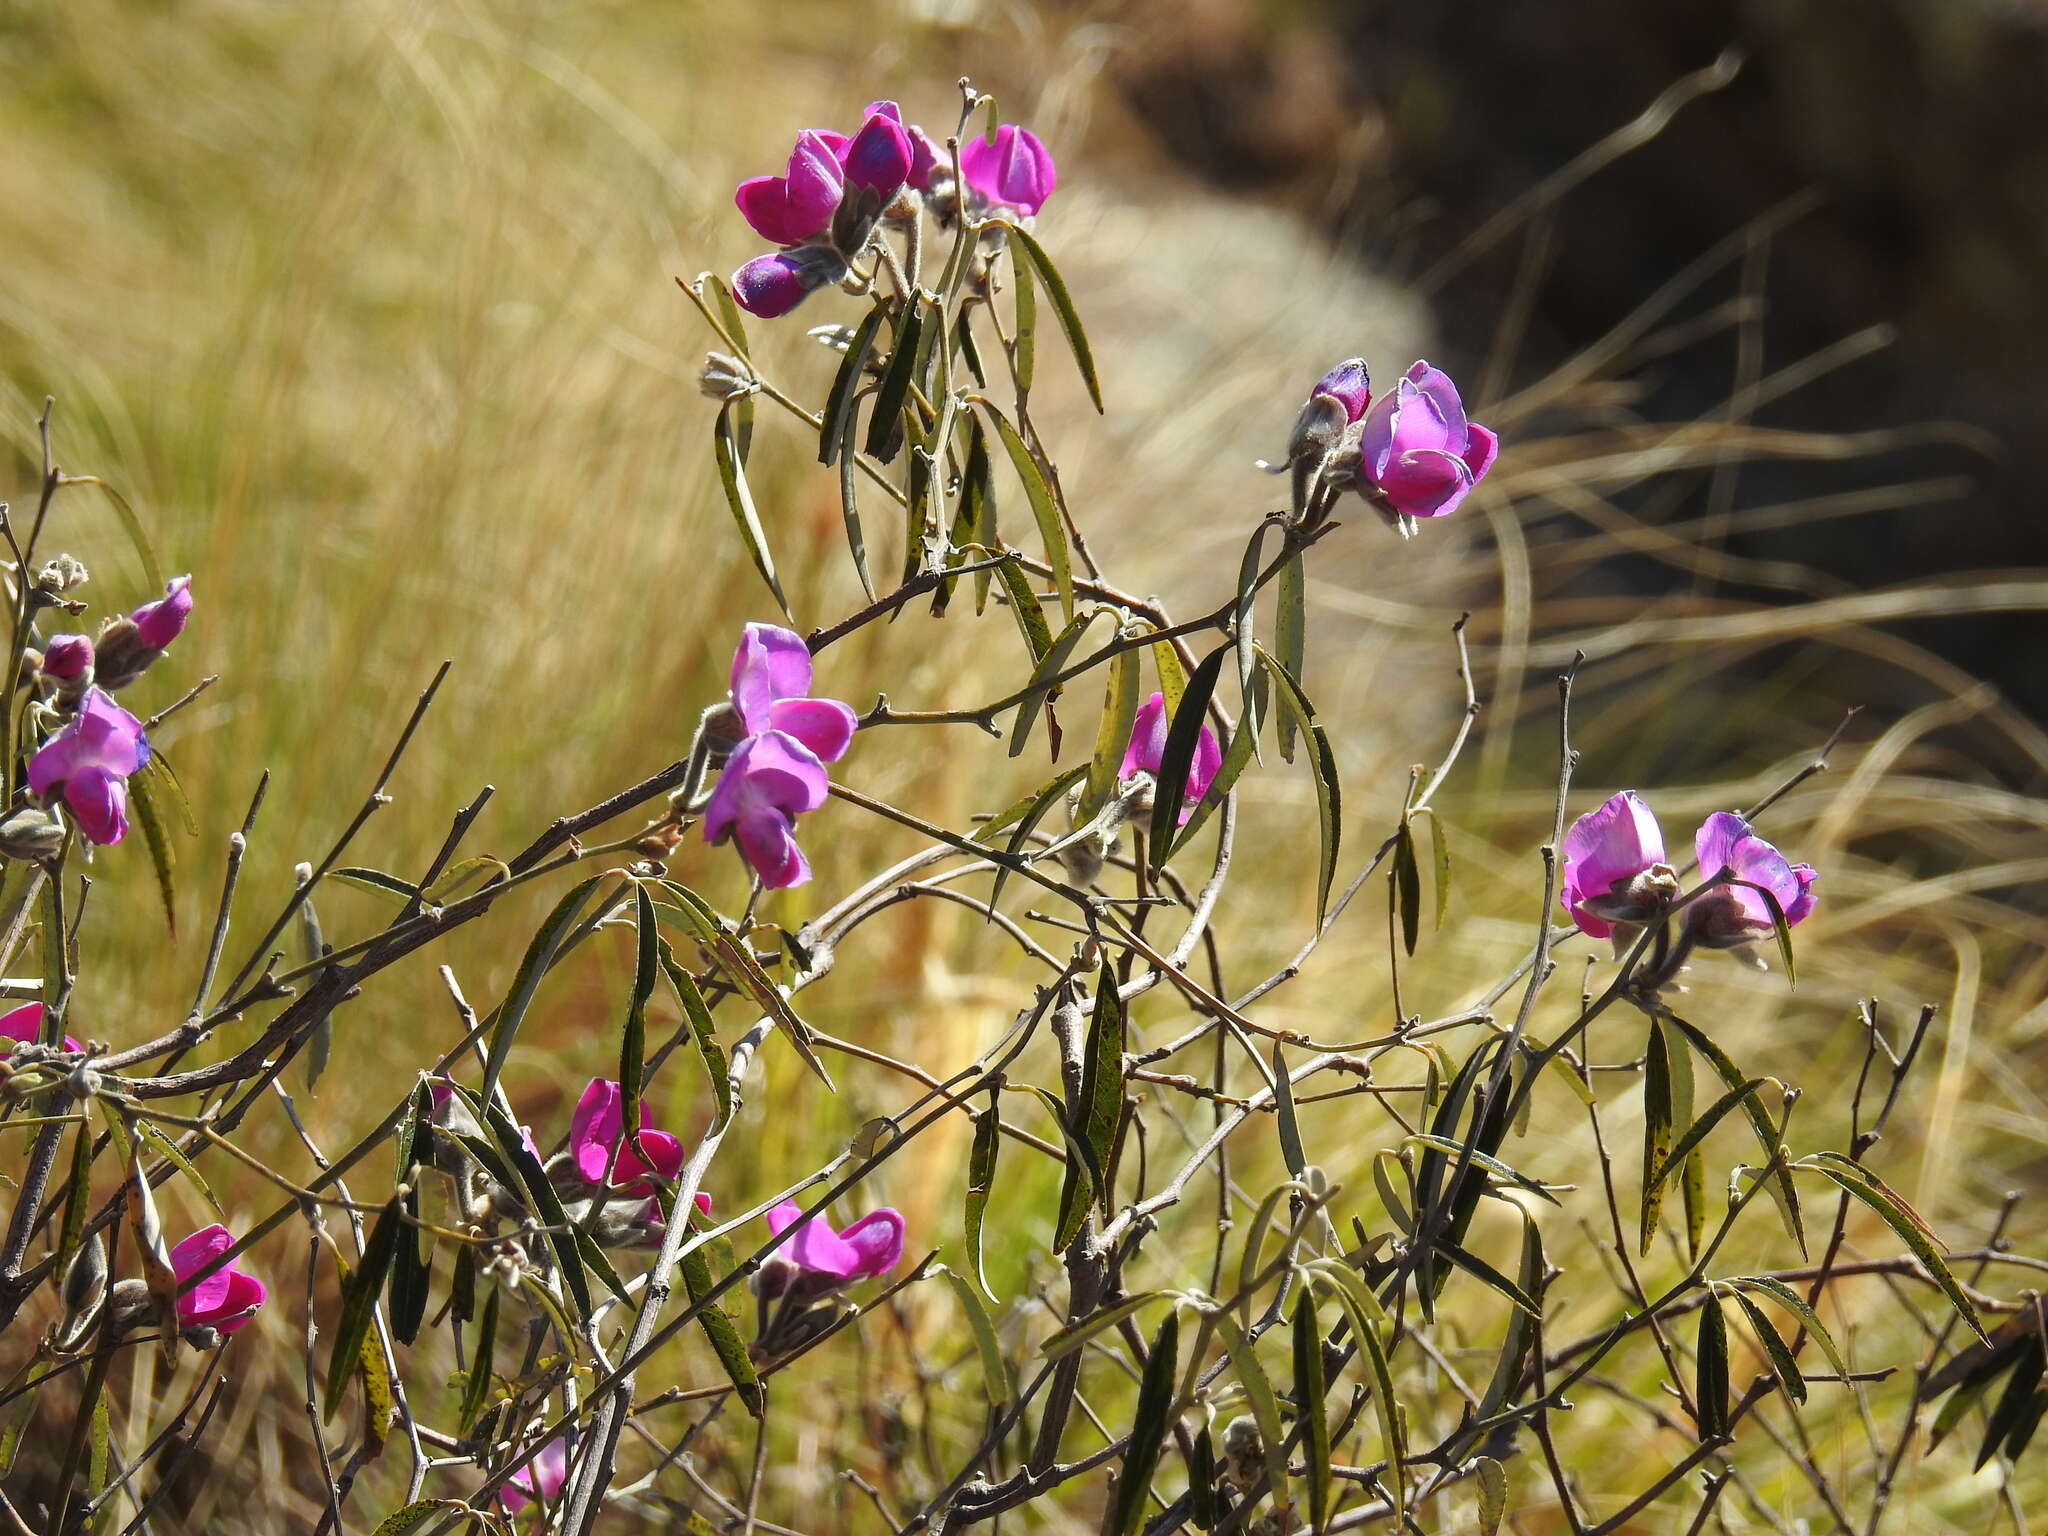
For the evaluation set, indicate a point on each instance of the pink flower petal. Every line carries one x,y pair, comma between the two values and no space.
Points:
825,726
877,1241
770,663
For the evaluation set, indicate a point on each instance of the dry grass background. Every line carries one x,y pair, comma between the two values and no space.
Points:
368,307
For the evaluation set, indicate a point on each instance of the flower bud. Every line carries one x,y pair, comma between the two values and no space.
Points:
161,622
30,834
61,574
68,658
774,284
121,655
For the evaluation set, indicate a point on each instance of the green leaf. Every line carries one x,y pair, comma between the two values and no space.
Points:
1440,858
981,1178
720,1330
77,1194
1291,1151
465,879
1705,1124
732,475
160,1143
1173,678
1112,731
375,880
1238,753
840,403
358,1302
702,1029
1310,1391
1657,1132
739,964
1784,1193
163,854
540,954
1244,627
977,524
1039,689
728,311
377,1397
1183,736
1486,1274
406,1300
1075,1334
1290,638
1779,926
1387,1408
1486,1160
1063,308
1323,765
885,425
997,1388
477,1392
1905,1223
1033,811
1026,301
1400,1211
1024,607
1101,1107
1052,530
405,1520
1493,1495
1150,1420
1782,1364
1407,881
1710,1383
1265,1407
1794,1303
633,1037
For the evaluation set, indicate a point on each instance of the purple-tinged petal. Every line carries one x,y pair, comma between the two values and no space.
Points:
1715,842
879,158
663,1155
203,1300
26,1023
1148,739
818,1248
1016,171
771,286
1201,771
1349,385
877,1240
1603,851
594,1128
1804,900
782,1214
157,624
245,1294
791,208
1480,447
67,656
541,1477
770,663
924,158
98,802
1435,386
1426,482
1726,841
767,841
824,725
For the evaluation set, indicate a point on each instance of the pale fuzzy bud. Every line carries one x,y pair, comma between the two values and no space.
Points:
61,574
122,655
725,377
1244,1453
30,834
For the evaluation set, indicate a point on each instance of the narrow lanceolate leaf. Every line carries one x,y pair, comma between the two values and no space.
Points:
840,403
703,1030
410,1273
1310,1390
1390,1178
478,1391
1063,307
1032,812
732,474
981,1178
849,508
1024,607
1322,764
1183,735
414,1515
1173,677
377,1396
885,423
540,954
1039,689
1387,1408
1710,1384
1905,1223
1290,638
1101,1106
1407,878
1440,856
1784,1193
1493,1495
728,311
633,1037
996,1385
739,964
977,520
1245,628
1291,1151
464,878
1052,529
358,1301
1657,1133
163,854
1259,1396
1113,731
1779,926
1782,1364
1692,1176
1150,1421
375,880
1074,1335
1486,1274
1026,300
1493,1165
721,1332
1794,1303
1238,753
1689,1143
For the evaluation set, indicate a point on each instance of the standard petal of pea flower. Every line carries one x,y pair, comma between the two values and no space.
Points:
225,1299
1611,860
873,1245
1733,915
798,204
26,1023
1015,172
1418,454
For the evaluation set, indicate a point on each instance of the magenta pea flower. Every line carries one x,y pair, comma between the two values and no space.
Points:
1147,752
771,286
597,1135
1614,869
26,1023
67,657
88,762
778,771
1418,453
225,1299
1015,172
873,1245
1349,385
791,208
157,624
880,156
540,1478
1732,915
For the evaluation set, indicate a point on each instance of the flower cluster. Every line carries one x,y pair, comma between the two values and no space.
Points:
777,770
823,209
1411,453
1615,875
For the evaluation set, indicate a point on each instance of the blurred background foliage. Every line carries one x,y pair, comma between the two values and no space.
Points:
369,310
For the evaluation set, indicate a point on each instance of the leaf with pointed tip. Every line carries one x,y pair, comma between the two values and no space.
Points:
1183,736
1710,1382
540,955
981,1178
1045,510
719,1329
1290,638
996,1385
1407,880
1265,1406
1493,1495
1322,764
1100,1109
358,1301
1784,1193
840,401
1782,1364
1311,1409
732,474
1905,1223
1039,689
1024,607
1062,308
885,417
